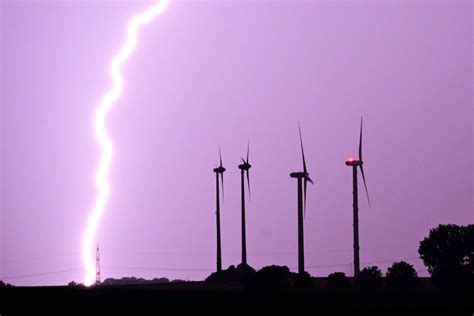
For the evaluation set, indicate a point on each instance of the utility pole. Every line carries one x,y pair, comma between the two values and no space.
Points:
97,265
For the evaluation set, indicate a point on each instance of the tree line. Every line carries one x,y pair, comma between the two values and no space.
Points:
447,252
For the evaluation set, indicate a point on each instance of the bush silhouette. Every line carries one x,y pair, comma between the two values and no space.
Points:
338,280
3,284
240,274
448,252
273,278
369,278
268,278
302,281
402,275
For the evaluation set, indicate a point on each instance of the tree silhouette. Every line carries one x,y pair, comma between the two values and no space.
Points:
338,280
240,274
3,284
369,278
448,252
402,275
273,278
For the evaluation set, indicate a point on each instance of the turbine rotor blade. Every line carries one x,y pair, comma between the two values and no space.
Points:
222,183
248,184
365,184
360,141
302,151
248,149
220,156
304,196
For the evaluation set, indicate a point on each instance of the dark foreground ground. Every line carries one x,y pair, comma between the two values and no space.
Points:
197,298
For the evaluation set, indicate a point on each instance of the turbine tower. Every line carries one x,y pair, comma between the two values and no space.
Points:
354,164
244,170
303,179
219,171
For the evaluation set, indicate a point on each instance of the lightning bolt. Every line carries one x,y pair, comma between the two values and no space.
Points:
102,138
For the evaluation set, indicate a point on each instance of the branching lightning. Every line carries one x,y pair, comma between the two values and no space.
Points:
103,139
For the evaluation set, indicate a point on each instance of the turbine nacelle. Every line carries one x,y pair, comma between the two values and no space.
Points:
353,162
245,166
359,162
302,175
219,169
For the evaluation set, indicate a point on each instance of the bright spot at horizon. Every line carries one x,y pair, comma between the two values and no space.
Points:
105,143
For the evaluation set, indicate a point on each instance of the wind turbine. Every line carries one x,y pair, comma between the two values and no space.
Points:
301,176
219,171
244,169
354,164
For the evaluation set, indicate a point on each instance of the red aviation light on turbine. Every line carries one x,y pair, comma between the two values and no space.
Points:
350,161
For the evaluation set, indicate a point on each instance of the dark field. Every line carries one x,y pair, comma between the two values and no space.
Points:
198,298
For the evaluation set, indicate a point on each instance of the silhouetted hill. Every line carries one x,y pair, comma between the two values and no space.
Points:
201,298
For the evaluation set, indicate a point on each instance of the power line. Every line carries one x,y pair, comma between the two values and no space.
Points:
157,253
157,269
367,262
38,274
198,269
292,267
70,254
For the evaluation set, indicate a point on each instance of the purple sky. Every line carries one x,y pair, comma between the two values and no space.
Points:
209,73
